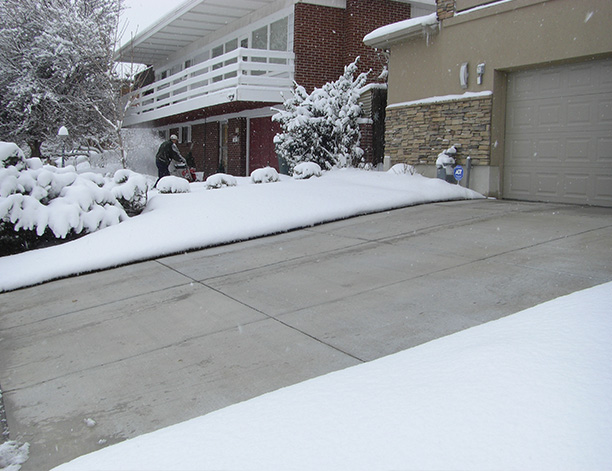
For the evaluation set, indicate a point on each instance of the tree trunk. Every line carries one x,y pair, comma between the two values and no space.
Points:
35,148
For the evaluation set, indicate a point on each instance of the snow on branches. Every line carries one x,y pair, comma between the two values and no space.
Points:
322,127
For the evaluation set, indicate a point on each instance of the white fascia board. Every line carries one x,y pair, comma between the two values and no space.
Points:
325,3
242,93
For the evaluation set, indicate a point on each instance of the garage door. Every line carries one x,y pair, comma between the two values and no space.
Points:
559,134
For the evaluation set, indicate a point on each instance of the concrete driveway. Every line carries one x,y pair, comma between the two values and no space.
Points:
92,360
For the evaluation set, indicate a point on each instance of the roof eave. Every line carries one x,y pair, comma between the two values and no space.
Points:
124,51
415,32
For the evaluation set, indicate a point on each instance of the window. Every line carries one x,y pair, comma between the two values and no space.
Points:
185,134
259,39
278,35
231,46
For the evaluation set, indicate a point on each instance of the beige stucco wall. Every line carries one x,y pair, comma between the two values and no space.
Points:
507,36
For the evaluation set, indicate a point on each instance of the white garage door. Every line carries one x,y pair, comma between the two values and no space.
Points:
559,134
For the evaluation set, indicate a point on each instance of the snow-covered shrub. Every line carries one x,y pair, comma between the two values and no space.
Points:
173,184
11,155
40,204
130,189
446,158
306,170
322,126
219,180
264,175
402,169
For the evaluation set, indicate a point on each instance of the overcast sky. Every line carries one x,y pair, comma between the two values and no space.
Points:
139,14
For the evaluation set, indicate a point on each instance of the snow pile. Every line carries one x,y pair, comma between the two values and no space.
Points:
238,212
402,169
529,391
306,170
219,180
264,175
173,184
13,455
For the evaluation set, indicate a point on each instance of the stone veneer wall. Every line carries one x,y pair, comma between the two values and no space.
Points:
416,134
445,9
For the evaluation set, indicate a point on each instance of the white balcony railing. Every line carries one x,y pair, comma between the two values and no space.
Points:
263,73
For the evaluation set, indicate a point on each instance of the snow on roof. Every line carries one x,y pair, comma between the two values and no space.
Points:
400,30
439,99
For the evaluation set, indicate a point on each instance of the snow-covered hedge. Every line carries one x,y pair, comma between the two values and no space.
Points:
173,184
40,203
219,180
306,170
264,175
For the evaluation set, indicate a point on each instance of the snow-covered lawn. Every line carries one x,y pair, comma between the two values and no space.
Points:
532,391
205,216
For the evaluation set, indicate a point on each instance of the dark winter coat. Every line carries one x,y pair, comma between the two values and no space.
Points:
168,151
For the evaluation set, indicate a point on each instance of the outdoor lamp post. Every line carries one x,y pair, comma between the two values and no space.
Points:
63,135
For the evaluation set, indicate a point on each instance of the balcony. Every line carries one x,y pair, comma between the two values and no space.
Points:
252,75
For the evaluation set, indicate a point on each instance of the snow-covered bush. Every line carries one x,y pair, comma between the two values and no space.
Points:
306,170
131,191
264,175
322,127
219,180
446,158
11,155
40,204
173,184
402,169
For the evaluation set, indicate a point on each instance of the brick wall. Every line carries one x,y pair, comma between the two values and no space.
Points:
318,44
418,133
198,138
211,148
236,147
326,39
362,17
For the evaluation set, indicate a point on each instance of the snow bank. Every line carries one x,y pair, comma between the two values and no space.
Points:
235,212
13,455
530,391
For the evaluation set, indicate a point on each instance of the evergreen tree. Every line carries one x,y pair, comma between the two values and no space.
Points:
322,126
56,68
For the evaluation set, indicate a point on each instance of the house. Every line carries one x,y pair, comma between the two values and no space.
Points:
523,87
217,68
